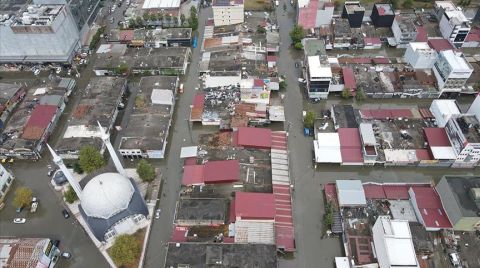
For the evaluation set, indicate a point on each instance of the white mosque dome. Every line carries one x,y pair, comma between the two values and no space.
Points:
106,195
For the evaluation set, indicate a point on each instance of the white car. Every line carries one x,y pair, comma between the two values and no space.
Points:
157,213
19,220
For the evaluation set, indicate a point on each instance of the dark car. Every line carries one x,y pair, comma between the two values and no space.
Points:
65,213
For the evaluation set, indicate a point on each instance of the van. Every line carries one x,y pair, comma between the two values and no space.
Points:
181,88
277,3
454,259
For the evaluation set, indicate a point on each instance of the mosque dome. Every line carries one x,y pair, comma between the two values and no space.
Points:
106,195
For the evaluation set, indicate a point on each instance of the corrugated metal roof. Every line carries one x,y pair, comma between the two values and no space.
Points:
436,137
430,207
222,171
254,137
368,136
39,120
349,78
254,205
350,193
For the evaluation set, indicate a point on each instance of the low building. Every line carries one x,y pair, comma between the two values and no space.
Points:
369,142
452,71
327,148
428,208
227,12
350,193
169,37
439,146
33,121
28,252
11,95
461,199
382,15
314,13
201,211
419,55
164,6
391,237
404,30
6,180
99,103
372,43
440,44
235,255
354,12
212,172
146,132
342,35
151,61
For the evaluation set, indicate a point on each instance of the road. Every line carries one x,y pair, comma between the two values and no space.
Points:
172,169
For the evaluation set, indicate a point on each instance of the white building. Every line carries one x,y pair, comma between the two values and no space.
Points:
324,13
404,30
464,134
475,107
227,12
420,56
6,180
454,26
451,71
327,148
319,77
393,243
443,110
350,193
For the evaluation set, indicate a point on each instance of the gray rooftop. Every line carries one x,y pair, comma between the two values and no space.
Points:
7,91
341,28
201,255
460,188
470,127
99,102
201,209
313,47
406,22
148,125
353,6
145,58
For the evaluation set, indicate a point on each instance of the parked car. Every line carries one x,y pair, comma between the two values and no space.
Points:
301,80
157,213
34,207
19,220
65,213
66,255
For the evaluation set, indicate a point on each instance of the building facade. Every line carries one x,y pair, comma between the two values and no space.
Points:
464,134
454,26
227,12
28,252
6,180
451,71
382,15
354,12
404,30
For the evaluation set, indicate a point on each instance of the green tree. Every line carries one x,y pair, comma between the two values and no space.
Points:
283,85
23,197
309,119
77,168
298,46
360,95
70,195
408,4
193,20
125,250
346,93
121,68
132,23
90,159
260,29
394,3
182,19
146,171
146,16
337,4
139,21
297,34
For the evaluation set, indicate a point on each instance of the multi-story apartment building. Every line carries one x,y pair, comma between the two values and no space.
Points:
226,12
451,71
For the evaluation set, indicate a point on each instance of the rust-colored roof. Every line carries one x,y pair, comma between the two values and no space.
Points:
33,133
212,42
81,111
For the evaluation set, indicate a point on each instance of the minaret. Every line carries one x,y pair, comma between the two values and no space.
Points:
73,182
106,140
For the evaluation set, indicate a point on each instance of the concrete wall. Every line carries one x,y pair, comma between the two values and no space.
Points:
227,15
58,46
448,201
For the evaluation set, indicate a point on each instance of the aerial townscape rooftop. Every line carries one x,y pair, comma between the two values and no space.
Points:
239,133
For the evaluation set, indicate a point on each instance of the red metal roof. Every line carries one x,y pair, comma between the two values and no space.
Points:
254,205
254,137
430,206
221,171
396,192
473,35
258,83
423,154
190,161
436,137
421,34
272,58
440,44
193,175
349,78
381,60
307,16
386,113
373,191
199,100
179,234
351,155
38,122
372,40
349,138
